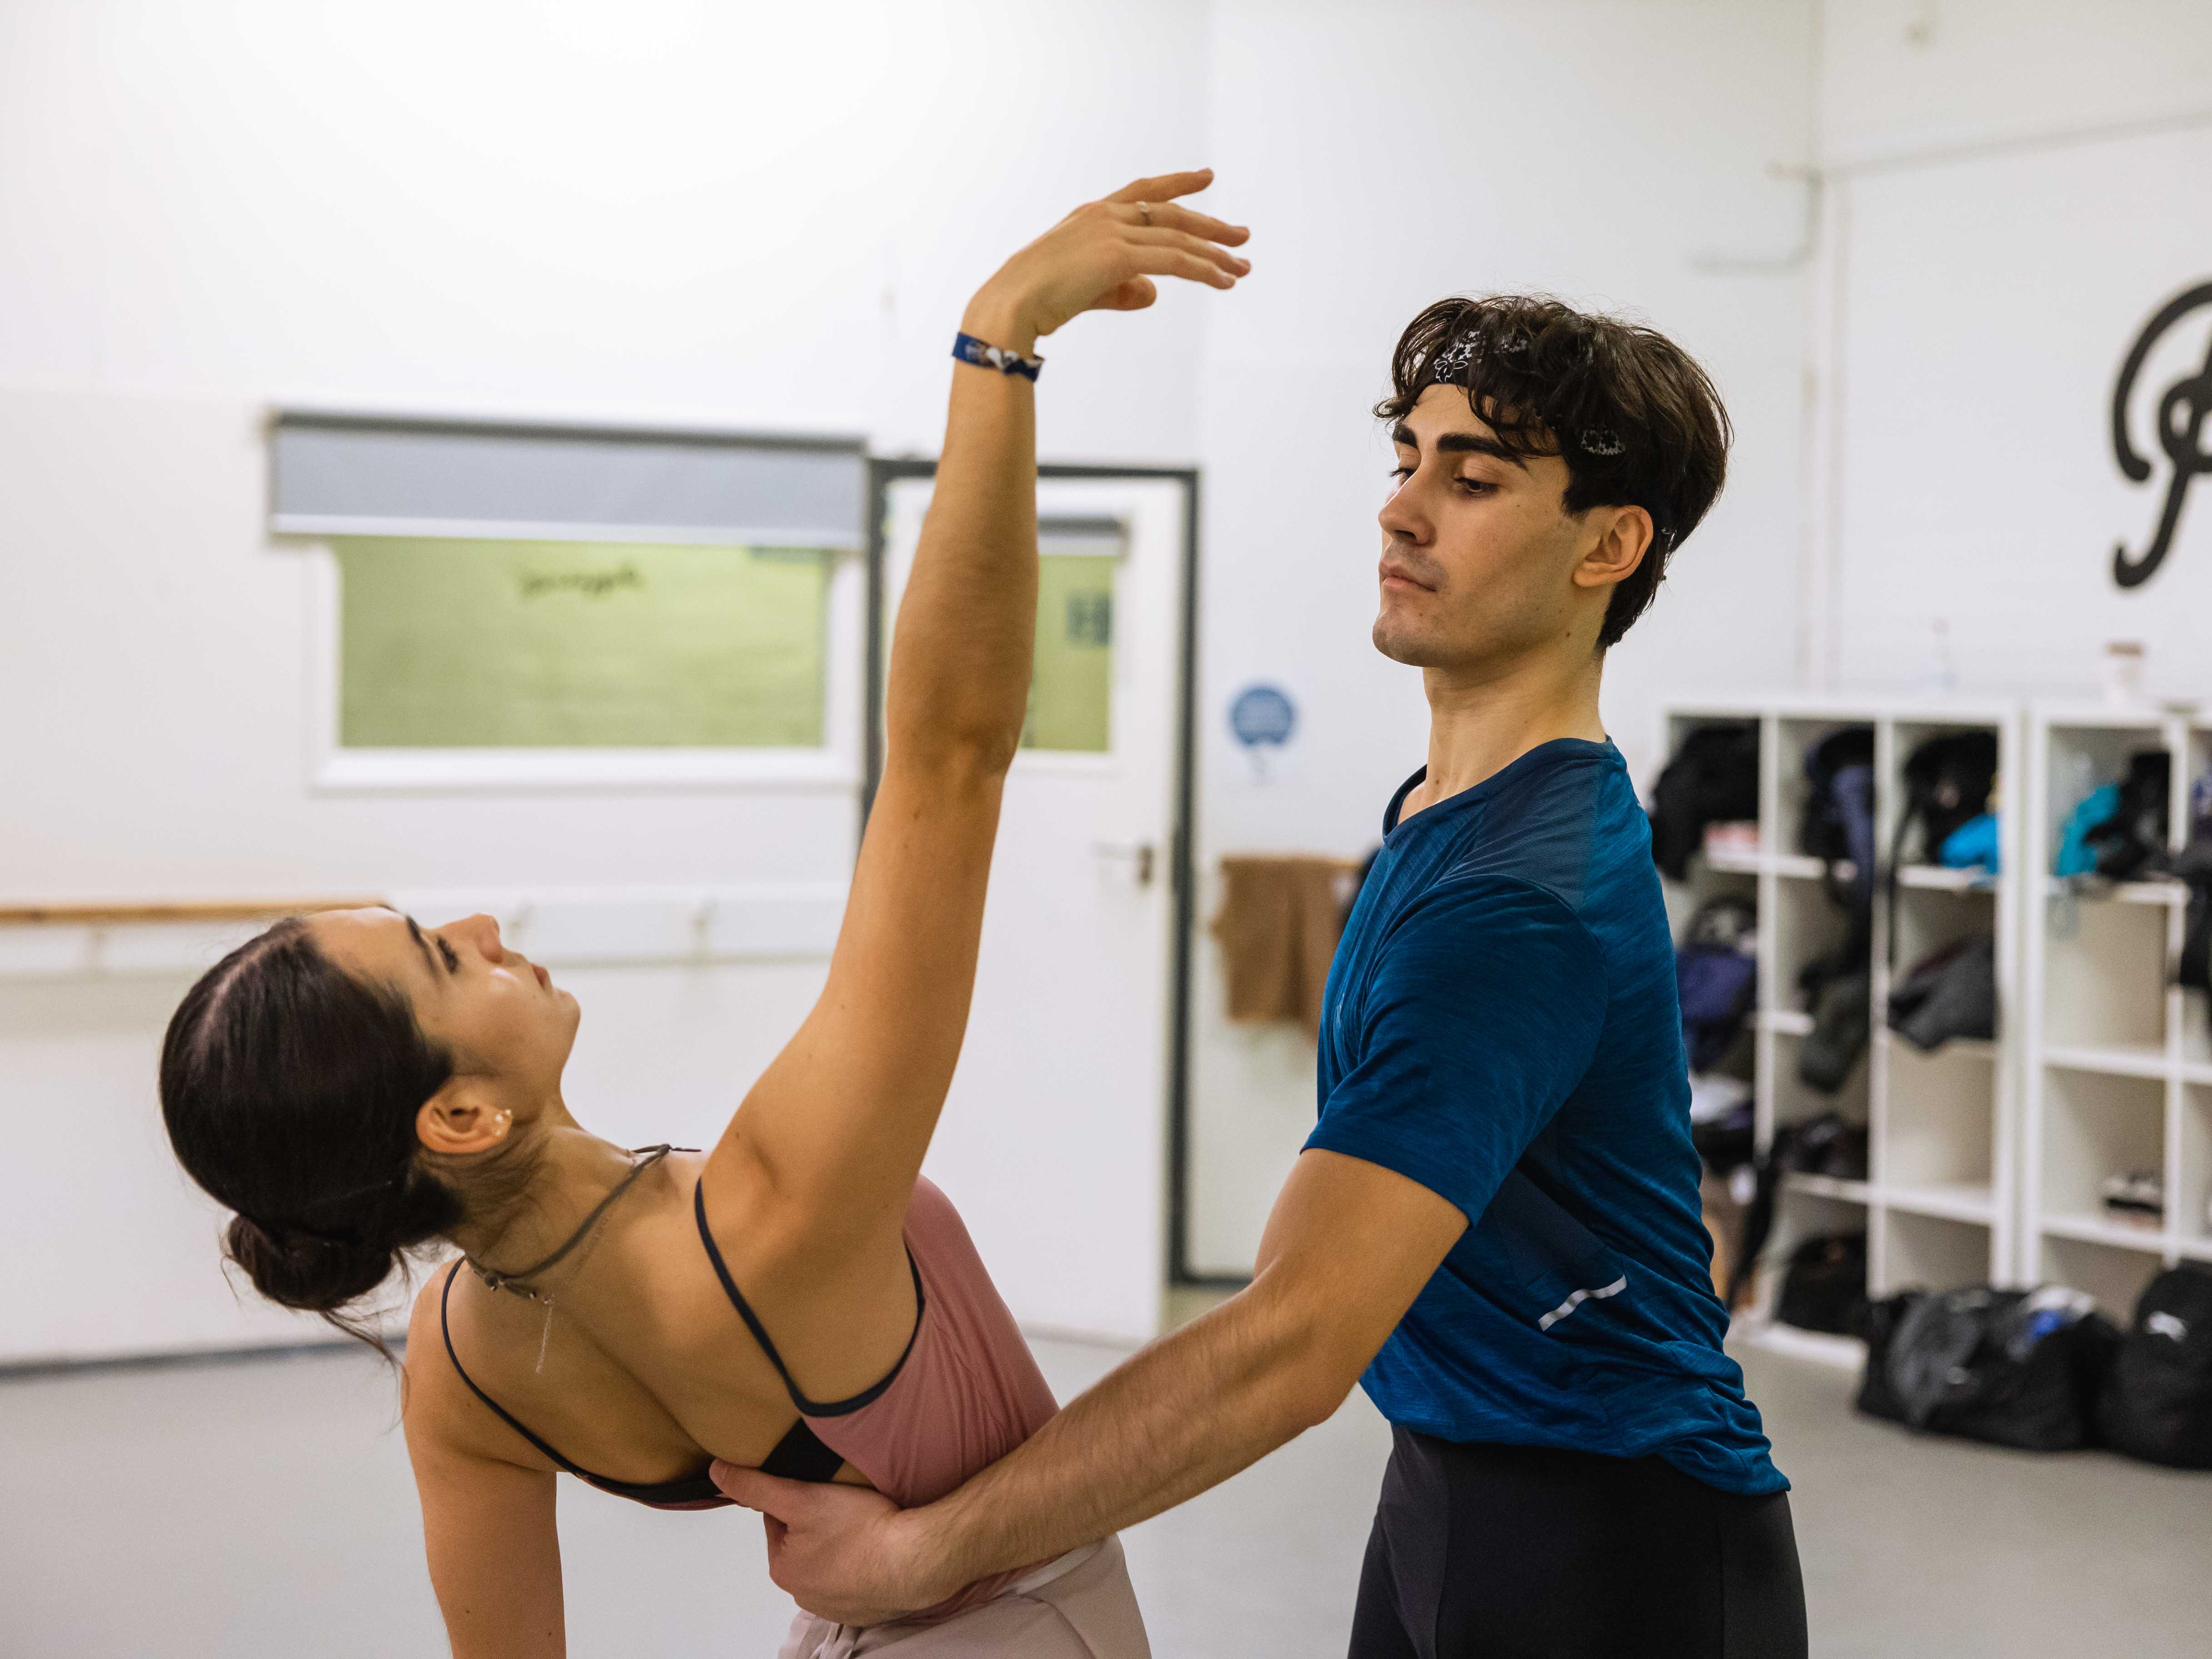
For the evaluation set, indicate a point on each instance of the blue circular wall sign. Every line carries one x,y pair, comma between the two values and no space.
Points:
1262,714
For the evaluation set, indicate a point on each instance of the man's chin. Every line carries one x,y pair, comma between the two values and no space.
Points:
1399,643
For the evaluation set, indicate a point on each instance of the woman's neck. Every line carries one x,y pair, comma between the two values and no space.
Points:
570,1171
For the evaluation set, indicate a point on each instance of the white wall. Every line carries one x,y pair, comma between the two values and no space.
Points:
735,215
1388,154
2022,183
767,216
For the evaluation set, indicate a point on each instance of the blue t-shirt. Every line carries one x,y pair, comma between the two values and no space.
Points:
1501,1026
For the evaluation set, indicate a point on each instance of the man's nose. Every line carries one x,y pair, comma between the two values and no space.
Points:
1401,519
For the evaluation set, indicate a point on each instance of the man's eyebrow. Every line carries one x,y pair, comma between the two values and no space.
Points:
1460,443
421,943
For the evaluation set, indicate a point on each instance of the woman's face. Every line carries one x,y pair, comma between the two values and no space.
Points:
501,1017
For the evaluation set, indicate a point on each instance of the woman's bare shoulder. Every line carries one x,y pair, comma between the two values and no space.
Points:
440,1413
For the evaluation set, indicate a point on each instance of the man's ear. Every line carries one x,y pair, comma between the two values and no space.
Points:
1624,536
463,1117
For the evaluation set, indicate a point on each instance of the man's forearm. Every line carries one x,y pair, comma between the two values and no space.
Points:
1185,1414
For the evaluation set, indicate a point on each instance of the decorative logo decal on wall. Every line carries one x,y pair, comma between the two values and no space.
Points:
1262,713
2181,421
1262,717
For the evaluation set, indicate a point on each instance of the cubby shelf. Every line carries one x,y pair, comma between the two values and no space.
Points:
1938,1202
2096,1229
2118,1074
1954,1200
1847,1192
2125,892
2135,1060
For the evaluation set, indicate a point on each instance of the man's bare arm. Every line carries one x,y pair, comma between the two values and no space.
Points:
1348,1246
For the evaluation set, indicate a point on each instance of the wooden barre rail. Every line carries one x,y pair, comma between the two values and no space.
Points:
114,915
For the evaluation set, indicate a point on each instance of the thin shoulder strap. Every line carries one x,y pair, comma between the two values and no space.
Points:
446,1327
808,1407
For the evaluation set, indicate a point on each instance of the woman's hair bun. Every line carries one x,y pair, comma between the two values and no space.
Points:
316,1272
290,1092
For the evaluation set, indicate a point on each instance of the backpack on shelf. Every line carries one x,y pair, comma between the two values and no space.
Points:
1839,821
2014,1368
2157,1403
2132,842
1948,782
1716,977
1712,779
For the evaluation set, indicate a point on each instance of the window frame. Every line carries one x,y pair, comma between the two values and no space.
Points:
838,764
333,768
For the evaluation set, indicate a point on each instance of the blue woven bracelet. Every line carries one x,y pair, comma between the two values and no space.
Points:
969,350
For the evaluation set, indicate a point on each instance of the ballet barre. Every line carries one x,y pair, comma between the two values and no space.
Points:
111,914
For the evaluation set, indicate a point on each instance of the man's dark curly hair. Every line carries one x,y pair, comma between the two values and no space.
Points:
1634,417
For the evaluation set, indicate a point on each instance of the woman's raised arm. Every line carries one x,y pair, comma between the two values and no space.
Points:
832,1136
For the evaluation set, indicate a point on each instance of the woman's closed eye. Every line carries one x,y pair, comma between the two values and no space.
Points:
452,961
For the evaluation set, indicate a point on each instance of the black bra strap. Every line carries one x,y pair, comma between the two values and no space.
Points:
799,1455
809,1407
445,1324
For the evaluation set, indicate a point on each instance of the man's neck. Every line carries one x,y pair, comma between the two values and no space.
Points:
1481,722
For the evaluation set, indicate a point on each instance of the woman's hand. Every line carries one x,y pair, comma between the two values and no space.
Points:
1102,257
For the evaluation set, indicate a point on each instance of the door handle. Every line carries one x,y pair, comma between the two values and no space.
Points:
1143,858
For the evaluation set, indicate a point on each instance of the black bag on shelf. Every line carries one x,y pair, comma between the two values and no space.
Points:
1729,1143
2194,866
2014,1368
2157,1401
1951,994
1824,1146
2132,842
1712,779
1841,999
1947,782
1835,826
1824,1287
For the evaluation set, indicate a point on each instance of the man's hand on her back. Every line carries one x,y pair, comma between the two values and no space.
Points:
841,1552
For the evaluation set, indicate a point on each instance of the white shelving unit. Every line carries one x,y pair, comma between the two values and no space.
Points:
2120,1064
1938,1204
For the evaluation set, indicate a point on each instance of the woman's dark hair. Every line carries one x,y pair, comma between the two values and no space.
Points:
290,1092
1631,414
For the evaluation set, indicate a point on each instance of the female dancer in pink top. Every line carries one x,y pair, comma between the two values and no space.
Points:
796,1299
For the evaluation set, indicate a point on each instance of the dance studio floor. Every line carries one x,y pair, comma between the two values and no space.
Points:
264,1508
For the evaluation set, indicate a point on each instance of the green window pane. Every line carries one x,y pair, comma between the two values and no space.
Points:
482,644
1071,692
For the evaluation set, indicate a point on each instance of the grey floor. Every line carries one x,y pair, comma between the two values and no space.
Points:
264,1508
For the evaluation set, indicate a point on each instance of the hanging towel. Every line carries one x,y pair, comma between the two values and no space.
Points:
1278,927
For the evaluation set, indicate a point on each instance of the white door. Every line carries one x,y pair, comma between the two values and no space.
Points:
1054,1142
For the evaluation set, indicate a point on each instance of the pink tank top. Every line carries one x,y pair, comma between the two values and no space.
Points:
967,1392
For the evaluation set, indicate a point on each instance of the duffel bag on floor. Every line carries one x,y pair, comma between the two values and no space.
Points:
2157,1403
2016,1368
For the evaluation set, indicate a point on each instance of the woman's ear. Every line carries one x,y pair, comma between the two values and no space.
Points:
1621,545
463,1117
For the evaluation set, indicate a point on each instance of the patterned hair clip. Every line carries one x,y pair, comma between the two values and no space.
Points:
1602,441
1451,361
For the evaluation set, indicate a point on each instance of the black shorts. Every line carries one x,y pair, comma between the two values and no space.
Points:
1525,1552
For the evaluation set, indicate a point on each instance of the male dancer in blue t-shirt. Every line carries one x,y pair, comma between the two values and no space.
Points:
1494,1227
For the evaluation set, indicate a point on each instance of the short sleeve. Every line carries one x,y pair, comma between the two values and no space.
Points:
1481,1018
